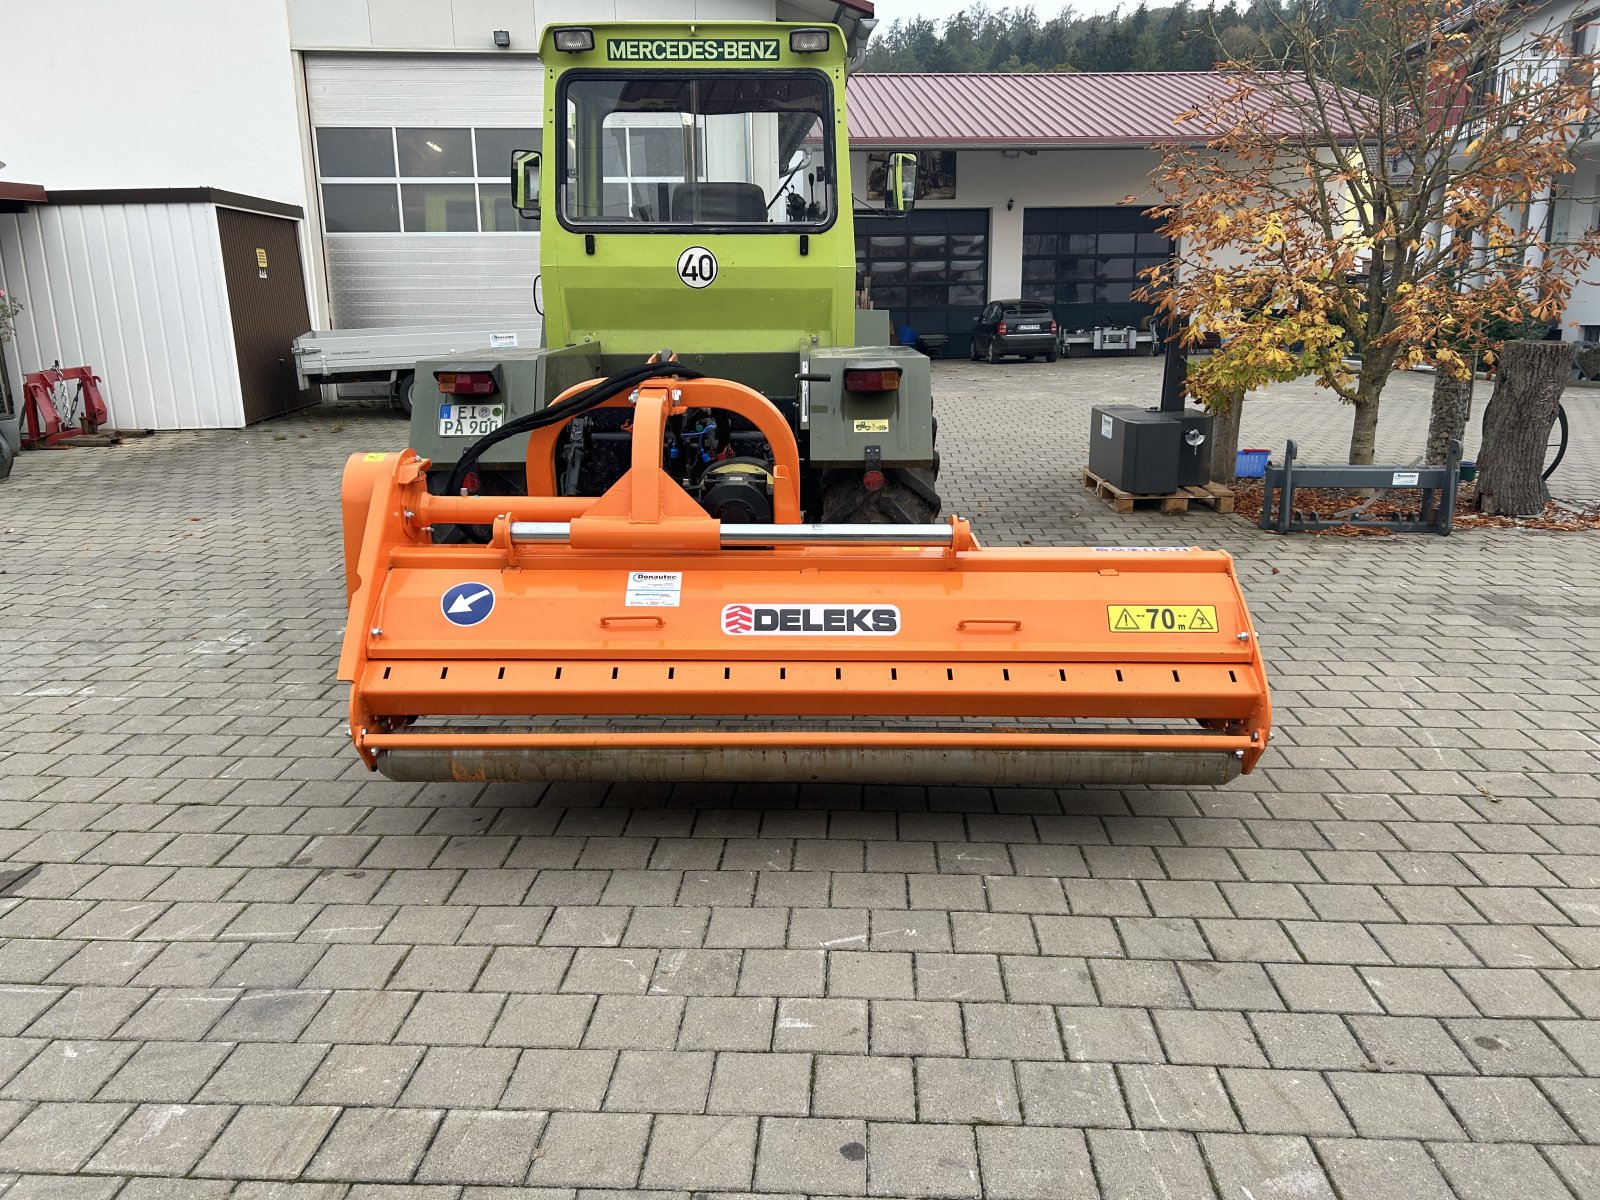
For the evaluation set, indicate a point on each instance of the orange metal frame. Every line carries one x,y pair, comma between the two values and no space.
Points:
1006,634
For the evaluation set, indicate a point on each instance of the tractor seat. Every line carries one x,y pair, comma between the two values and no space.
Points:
713,203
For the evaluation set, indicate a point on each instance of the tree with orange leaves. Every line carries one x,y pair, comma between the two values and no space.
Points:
1369,191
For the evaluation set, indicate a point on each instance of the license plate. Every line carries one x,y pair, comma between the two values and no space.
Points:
1027,329
470,420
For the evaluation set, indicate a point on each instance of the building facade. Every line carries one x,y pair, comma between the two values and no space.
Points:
380,131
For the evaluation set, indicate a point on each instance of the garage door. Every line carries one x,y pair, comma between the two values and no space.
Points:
1084,262
929,269
413,158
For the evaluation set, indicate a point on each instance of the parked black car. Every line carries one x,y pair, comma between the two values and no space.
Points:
1021,327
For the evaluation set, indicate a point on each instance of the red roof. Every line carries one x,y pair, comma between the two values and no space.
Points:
1063,109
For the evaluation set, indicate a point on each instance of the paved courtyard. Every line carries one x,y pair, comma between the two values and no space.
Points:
236,965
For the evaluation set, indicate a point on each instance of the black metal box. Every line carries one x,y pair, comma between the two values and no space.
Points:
1135,449
1194,448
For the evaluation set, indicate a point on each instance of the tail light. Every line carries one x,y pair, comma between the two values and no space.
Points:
466,383
1000,330
1052,326
875,379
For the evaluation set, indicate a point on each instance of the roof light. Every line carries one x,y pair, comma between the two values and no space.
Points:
574,41
808,41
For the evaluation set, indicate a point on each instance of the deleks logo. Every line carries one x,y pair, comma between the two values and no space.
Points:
788,620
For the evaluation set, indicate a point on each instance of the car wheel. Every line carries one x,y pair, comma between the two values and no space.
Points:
1053,355
973,349
405,383
993,357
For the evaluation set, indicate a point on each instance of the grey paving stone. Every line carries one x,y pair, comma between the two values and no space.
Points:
268,1142
73,1070
633,1023
727,1023
1394,1106
460,1077
381,1145
571,1080
1410,1044
1035,1164
263,1073
362,1075
1210,1038
870,1087
922,1160
826,1026
766,1084
701,1152
1285,1102
921,1027
1487,1172
660,1081
1109,1035
1079,1095
533,1021
1510,1048
1378,1167
967,1091
1135,1164
58,1138
482,1147
1579,1168
1578,1100
825,1157
1165,1097
1246,1167
591,1150
1310,1040
161,1139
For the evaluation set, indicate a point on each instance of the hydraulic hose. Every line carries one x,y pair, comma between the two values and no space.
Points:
573,406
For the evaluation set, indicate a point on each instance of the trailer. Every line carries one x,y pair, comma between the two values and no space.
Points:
390,356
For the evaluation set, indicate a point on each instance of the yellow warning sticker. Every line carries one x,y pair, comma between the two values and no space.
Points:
1164,618
878,426
373,457
261,258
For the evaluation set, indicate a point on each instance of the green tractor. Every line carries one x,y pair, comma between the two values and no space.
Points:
694,199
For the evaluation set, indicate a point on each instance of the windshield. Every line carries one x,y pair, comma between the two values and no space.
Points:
725,149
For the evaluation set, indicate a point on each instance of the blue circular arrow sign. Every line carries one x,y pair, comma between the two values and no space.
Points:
467,603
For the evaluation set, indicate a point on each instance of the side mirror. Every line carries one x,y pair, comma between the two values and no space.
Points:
902,192
525,182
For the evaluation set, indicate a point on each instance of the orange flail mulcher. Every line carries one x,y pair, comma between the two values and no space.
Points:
633,637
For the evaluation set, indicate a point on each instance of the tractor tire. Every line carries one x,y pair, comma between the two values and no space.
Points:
404,385
906,498
993,357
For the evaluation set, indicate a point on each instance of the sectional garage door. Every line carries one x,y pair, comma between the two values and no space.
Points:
1084,263
413,164
929,269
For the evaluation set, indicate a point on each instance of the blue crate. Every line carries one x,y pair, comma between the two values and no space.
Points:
1251,464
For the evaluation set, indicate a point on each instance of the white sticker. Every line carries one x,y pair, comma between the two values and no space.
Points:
502,341
1405,479
1105,425
697,267
785,620
1141,549
654,589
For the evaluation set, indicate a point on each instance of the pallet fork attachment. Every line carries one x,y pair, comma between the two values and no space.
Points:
631,637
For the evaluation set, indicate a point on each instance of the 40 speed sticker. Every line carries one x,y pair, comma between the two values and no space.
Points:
1164,618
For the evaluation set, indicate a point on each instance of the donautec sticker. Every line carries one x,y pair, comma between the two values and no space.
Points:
827,620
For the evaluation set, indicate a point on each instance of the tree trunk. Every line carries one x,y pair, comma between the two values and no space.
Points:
1225,439
1375,368
1516,427
1452,406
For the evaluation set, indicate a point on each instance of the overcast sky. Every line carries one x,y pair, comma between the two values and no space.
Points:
891,10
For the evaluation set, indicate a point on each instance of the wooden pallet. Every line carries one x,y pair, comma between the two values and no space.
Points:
1218,497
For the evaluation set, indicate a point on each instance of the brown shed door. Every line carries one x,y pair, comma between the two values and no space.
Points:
267,300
